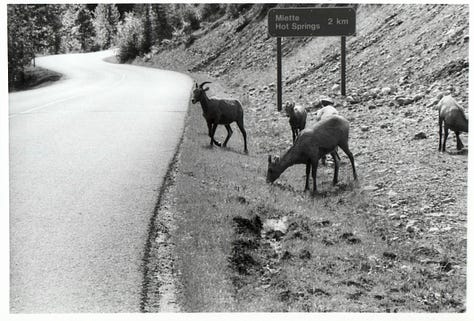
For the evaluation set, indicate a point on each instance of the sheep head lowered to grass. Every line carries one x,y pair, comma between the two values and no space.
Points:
311,145
219,112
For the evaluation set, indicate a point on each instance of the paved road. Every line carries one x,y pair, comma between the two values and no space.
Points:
87,158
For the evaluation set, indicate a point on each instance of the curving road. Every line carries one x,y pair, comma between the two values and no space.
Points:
87,158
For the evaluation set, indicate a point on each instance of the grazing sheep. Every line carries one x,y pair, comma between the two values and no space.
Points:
311,145
220,112
323,113
454,118
297,116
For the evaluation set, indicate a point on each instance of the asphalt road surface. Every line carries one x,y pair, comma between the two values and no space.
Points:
87,158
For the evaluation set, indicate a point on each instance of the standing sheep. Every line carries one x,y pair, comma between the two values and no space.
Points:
297,116
454,118
311,145
220,112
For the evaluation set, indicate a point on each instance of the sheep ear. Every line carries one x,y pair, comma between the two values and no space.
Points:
269,159
206,89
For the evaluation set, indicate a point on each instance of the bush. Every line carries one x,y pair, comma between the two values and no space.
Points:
129,38
208,10
191,20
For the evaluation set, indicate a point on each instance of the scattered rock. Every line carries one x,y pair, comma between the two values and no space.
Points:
418,96
326,101
304,254
392,193
272,225
389,255
353,99
403,101
364,128
369,188
420,135
386,91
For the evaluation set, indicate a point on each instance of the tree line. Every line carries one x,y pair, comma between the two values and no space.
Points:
42,29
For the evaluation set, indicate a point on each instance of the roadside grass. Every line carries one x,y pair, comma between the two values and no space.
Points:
35,77
365,246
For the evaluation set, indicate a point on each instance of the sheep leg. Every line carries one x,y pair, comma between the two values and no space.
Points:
244,134
440,134
346,150
308,170
446,133
294,133
229,133
213,131
314,164
459,144
211,134
336,167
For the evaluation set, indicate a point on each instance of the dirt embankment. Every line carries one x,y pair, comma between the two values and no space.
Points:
395,241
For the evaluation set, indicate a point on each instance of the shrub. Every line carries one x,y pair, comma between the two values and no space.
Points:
129,37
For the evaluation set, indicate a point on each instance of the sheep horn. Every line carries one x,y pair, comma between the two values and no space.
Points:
206,82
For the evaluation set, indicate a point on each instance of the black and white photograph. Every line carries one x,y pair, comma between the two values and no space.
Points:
287,159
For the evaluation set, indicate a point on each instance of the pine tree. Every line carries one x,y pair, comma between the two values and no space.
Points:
161,26
21,49
106,18
147,30
77,29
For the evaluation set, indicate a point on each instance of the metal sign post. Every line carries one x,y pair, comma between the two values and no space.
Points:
279,91
315,22
343,65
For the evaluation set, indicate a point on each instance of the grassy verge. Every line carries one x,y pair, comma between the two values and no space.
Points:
396,241
35,77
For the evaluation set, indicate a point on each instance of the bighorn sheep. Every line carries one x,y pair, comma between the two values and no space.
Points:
454,118
220,112
323,113
297,116
311,145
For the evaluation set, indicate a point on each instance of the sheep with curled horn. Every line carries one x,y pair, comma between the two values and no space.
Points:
219,112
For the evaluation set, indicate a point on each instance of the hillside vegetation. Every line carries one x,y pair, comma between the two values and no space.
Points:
394,241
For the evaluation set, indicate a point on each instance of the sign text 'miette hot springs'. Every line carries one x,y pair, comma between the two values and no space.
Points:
302,22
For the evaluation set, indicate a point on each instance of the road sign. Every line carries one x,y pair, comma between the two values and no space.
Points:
311,22
304,22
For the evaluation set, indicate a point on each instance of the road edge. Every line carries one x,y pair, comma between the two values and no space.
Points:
160,285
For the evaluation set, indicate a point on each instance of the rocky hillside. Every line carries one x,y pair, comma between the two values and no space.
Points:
416,50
